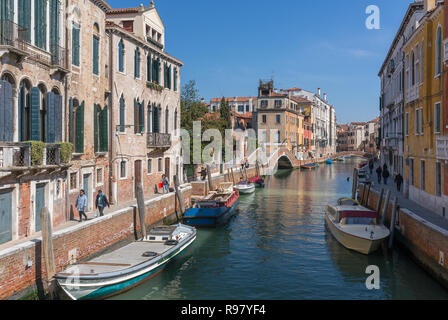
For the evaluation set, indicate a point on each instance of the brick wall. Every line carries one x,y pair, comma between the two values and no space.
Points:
78,242
427,243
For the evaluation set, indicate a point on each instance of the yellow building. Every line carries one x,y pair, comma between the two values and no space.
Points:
423,83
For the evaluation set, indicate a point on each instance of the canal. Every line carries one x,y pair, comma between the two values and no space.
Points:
277,247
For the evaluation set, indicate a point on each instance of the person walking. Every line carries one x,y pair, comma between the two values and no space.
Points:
165,183
81,205
398,181
101,202
379,171
371,166
203,173
385,174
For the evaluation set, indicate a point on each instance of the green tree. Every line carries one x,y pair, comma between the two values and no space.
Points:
224,111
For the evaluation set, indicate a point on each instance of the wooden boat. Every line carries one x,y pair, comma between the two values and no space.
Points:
258,181
308,166
329,161
215,208
120,270
355,227
245,188
348,202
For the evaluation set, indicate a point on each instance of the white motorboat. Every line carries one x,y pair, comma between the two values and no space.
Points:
245,188
355,227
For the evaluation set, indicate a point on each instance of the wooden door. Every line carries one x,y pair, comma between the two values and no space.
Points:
167,168
5,216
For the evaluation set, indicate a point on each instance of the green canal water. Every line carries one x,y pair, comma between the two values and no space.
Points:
277,247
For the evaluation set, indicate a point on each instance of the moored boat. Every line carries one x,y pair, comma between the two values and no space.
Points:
329,161
122,269
355,227
257,181
215,208
308,166
245,188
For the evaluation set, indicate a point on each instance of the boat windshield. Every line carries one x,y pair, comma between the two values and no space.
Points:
360,220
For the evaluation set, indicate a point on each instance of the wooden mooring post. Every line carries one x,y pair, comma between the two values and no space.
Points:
209,174
355,183
386,204
392,222
257,168
380,199
367,194
48,253
233,177
179,197
141,207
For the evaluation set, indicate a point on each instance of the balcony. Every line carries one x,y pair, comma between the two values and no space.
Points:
59,60
412,94
158,140
442,148
154,42
13,38
20,156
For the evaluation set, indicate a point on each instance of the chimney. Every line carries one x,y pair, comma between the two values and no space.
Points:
202,100
429,5
318,91
325,96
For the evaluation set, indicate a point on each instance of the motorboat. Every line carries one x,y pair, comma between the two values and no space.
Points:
214,209
355,227
122,269
244,187
329,161
308,166
258,181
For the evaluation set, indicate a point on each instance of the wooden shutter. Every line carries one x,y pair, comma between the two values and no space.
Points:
95,126
96,55
148,118
80,128
120,56
141,117
24,12
6,107
49,132
169,77
148,67
54,26
70,121
122,110
57,118
136,63
22,113
175,79
135,116
35,114
75,46
40,23
103,131
166,120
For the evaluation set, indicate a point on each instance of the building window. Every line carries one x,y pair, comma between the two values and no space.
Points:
439,51
278,103
417,122
159,165
247,108
73,180
40,23
122,114
411,172
240,108
421,63
438,179
264,103
121,56
99,176
278,136
76,125
421,121
137,63
75,46
407,124
277,118
139,117
149,166
437,117
263,118
422,175
100,134
123,169
96,50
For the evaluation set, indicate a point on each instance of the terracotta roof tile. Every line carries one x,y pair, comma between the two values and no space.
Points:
232,99
126,10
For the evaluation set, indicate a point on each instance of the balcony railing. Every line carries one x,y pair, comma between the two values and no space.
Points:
154,42
158,140
13,35
17,156
442,148
59,57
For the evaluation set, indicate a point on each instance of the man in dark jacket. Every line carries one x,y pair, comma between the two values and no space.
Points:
101,202
378,173
398,181
385,174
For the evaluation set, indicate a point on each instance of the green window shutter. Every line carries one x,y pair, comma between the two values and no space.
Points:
35,114
136,66
24,13
95,127
96,55
49,115
75,46
22,118
37,23
80,129
122,111
148,118
135,116
120,56
148,68
103,131
54,26
141,117
40,23
6,107
70,121
57,118
175,79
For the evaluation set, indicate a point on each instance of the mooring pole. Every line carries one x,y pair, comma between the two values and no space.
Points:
179,196
233,177
47,251
392,222
380,199
355,183
141,207
209,174
386,204
367,194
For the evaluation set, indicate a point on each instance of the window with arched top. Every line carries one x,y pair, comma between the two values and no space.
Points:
121,56
439,51
96,49
122,114
76,125
412,68
137,63
100,135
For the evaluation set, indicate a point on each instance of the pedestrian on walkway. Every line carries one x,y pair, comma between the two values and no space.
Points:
371,166
386,174
81,205
203,173
398,181
379,170
101,202
165,183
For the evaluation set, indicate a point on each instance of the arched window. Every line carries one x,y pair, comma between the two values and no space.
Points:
122,114
137,63
76,125
175,122
121,56
156,118
439,51
149,118
139,118
24,110
100,128
96,49
7,86
166,120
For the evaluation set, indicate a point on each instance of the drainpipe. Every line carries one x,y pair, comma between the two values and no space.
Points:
67,184
111,117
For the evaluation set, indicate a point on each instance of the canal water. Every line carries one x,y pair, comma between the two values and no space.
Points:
277,247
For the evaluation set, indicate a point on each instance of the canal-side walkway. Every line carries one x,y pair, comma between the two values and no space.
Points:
405,203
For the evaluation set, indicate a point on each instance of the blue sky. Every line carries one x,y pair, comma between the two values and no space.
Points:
227,46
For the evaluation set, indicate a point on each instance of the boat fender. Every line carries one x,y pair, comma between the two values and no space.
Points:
171,242
149,254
